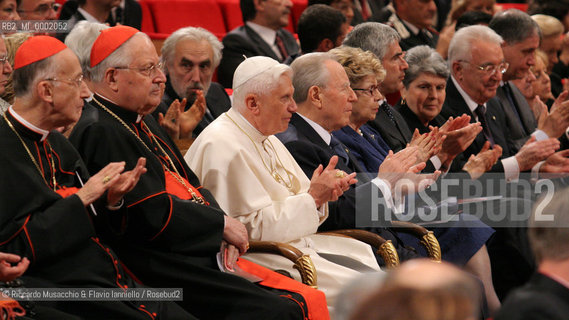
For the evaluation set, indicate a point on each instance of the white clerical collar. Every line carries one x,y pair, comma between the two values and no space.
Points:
411,27
138,118
469,102
44,133
240,120
267,34
323,133
88,16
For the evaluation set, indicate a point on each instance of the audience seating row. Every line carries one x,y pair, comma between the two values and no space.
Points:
162,17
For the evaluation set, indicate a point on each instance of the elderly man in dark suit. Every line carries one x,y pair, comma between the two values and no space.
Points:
477,64
324,105
522,37
190,56
261,35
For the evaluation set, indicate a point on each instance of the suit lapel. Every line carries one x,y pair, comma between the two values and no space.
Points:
217,100
387,128
528,119
304,129
527,124
308,133
456,106
261,44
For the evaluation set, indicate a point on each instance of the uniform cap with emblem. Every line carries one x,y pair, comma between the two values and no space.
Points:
35,49
108,41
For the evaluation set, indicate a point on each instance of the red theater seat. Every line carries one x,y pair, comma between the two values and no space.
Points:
147,25
233,18
298,7
231,13
520,6
172,15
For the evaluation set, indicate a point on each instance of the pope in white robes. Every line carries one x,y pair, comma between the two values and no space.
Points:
256,180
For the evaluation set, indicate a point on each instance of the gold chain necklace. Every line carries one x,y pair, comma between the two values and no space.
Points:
273,172
50,156
177,176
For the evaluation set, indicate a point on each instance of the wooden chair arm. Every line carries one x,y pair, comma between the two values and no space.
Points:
302,262
385,248
428,239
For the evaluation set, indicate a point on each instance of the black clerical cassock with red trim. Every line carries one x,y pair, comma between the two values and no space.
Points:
41,218
170,235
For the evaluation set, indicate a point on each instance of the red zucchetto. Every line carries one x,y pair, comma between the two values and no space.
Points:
108,41
37,48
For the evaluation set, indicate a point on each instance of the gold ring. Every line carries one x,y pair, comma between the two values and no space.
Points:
106,179
340,174
247,246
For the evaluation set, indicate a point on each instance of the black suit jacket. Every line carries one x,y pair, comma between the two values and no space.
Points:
309,150
455,106
542,298
216,99
245,41
395,135
519,132
131,15
509,252
408,38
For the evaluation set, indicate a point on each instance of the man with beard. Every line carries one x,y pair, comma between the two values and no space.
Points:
190,56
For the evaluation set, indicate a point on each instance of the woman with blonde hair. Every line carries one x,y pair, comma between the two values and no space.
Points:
13,42
461,246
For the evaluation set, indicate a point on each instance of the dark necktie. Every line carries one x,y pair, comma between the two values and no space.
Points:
425,38
280,45
481,113
387,108
513,105
339,150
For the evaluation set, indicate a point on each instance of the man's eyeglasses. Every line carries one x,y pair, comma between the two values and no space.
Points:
147,71
3,60
490,69
369,91
43,9
77,81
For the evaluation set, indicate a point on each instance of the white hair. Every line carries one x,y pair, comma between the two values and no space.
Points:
121,57
262,83
461,44
80,40
194,34
310,70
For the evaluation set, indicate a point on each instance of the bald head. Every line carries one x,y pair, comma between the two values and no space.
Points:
426,274
423,290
